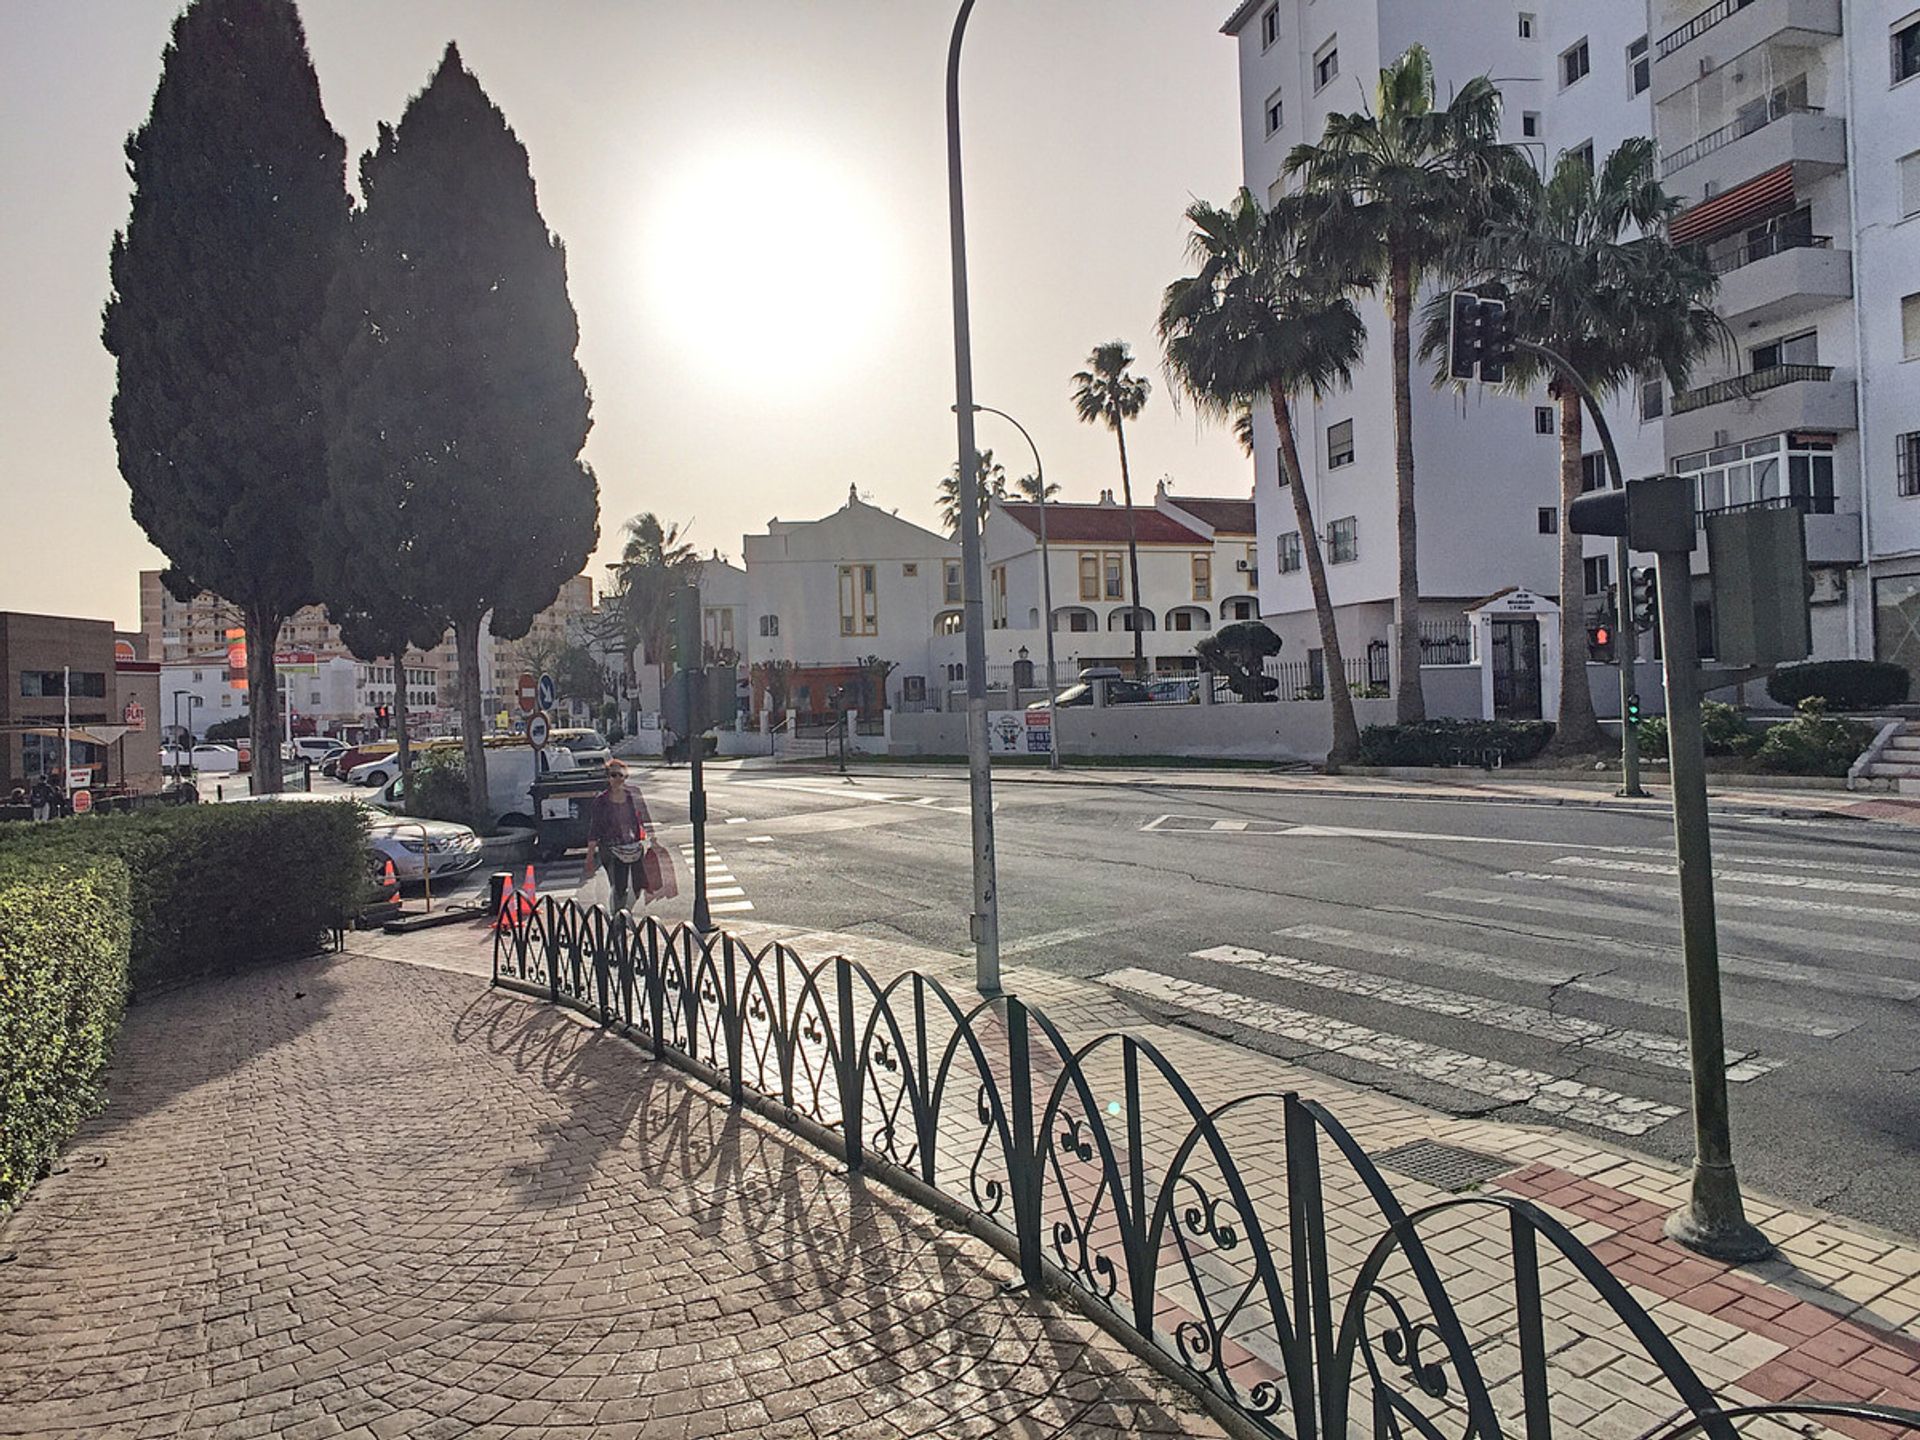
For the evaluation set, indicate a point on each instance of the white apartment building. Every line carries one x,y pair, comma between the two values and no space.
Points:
1794,142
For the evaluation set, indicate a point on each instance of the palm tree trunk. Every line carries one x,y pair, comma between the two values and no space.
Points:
1133,552
1577,730
263,712
1409,700
1346,730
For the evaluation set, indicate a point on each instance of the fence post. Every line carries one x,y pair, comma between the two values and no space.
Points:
732,1015
550,946
656,990
849,1066
1309,1367
1025,1164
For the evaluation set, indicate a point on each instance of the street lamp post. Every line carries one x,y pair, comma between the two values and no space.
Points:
985,924
1046,583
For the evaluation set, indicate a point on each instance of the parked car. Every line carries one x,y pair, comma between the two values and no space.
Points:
1185,689
312,749
358,755
589,747
511,769
377,771
418,848
214,759
1119,692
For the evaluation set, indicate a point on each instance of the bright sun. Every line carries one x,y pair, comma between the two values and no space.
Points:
755,255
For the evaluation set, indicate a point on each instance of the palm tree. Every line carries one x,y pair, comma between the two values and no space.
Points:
1258,324
1398,190
654,561
1589,271
1027,488
993,486
1104,393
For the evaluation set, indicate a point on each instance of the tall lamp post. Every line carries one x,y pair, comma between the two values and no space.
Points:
985,924
1046,582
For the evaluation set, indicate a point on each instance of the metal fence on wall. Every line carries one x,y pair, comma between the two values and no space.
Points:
1099,1168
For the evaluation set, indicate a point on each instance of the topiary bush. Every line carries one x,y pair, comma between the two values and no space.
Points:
1812,743
63,984
211,887
1842,684
1454,742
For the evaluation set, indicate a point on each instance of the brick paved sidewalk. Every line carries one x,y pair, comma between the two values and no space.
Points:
349,1196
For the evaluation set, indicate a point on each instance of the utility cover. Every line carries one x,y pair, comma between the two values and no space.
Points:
1757,563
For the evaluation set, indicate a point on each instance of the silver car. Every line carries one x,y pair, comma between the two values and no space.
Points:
417,848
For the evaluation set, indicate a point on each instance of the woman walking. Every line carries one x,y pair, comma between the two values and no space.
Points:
619,832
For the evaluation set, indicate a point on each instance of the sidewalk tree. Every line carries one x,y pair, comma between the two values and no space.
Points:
463,382
1239,652
577,675
374,630
1400,185
655,563
1588,270
218,286
993,486
1259,323
1106,394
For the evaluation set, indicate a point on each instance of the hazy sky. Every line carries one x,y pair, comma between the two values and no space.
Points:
753,198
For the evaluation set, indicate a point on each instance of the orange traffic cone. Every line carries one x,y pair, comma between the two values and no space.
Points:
530,898
389,884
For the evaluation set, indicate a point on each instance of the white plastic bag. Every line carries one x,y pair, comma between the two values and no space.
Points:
597,890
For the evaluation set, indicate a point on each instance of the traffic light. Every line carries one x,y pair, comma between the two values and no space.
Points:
1600,642
1479,338
383,714
1633,708
686,628
1463,336
1646,598
1496,340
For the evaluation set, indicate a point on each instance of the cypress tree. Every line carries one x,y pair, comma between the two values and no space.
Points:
460,398
218,285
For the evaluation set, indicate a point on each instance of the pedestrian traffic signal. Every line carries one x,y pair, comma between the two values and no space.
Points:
1479,339
383,714
1646,598
1600,642
1633,709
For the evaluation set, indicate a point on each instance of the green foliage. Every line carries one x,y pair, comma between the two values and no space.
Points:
1724,730
1652,733
1454,742
578,676
1843,684
993,486
1106,393
655,564
1812,743
437,787
63,985
216,886
1237,652
224,731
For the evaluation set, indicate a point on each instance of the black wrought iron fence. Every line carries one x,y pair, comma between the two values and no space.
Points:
1199,1232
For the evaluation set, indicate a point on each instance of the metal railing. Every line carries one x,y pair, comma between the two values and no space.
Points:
1698,26
1805,504
1099,1169
1725,262
1734,130
1302,680
1741,387
1446,642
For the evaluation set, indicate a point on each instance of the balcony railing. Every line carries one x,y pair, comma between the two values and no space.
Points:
1731,260
1805,504
1740,387
1699,25
1737,129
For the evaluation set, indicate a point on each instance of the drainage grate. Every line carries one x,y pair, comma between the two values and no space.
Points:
1445,1167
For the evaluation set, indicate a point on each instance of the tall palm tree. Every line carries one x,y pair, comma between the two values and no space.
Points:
1399,188
1589,271
993,486
1104,393
655,560
1027,488
1259,324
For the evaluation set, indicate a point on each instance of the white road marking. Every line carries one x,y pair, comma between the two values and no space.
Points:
1229,825
1755,877
759,840
724,892
728,907
1519,968
1724,899
1475,1074
1645,1046
1026,945
736,820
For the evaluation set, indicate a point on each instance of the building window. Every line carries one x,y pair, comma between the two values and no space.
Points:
1752,473
1241,610
1203,577
1593,471
1583,152
1599,570
1574,63
1269,27
1543,420
1290,553
949,622
1339,444
1549,520
1639,67
859,601
1113,586
1653,396
1910,326
950,587
1526,25
1906,52
1280,468
87,684
1910,185
1089,575
910,569
1530,124
1326,64
769,626
1343,540
1276,112
997,588
1081,621
1801,349
1906,463
1180,620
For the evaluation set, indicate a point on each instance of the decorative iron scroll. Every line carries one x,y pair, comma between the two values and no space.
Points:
1103,1171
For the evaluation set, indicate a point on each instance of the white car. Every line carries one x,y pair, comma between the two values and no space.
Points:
317,749
589,747
417,848
378,771
216,759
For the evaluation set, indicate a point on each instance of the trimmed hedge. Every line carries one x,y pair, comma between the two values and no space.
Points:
1723,729
64,936
212,887
1813,743
1843,684
1454,742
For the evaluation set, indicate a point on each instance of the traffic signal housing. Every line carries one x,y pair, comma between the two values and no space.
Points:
1646,598
1633,708
687,651
1600,641
1479,338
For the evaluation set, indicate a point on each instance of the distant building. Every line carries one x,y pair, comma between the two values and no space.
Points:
53,666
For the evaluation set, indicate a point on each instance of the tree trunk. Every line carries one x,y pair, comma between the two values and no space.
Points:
263,711
1133,553
1576,729
404,756
473,743
1409,699
1346,730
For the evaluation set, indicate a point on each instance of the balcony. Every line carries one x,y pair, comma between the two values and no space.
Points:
1725,31
1833,537
1780,276
1811,141
1762,402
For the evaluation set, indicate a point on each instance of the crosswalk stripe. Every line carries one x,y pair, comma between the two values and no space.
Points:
1475,1074
726,907
1842,982
1794,1021
1724,899
1667,1051
724,892
1753,877
1745,856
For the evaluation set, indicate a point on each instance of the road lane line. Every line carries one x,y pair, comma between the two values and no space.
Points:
1475,1074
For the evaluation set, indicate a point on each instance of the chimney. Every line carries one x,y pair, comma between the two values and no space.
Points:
1106,497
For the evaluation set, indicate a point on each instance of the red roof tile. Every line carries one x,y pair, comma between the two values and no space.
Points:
1104,524
1227,517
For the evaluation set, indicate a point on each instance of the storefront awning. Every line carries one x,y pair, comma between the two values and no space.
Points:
1752,200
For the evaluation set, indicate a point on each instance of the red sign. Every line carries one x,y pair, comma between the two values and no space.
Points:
123,651
82,801
296,657
134,716
237,659
527,690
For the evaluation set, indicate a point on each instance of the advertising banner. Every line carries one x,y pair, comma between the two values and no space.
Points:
1019,732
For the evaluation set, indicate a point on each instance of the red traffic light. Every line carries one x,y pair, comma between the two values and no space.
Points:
1602,635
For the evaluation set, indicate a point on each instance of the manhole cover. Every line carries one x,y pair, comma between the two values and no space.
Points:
1445,1167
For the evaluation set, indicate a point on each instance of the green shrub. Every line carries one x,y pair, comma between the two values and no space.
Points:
1724,729
1843,684
223,732
1812,743
1653,738
63,984
1454,742
437,787
215,886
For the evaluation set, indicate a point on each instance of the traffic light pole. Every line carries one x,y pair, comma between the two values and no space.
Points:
1626,656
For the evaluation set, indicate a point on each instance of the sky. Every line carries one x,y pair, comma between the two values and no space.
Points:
753,198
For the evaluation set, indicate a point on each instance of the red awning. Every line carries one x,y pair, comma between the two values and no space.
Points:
1751,200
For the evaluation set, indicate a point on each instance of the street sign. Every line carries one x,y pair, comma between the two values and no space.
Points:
548,692
82,801
526,691
537,730
134,716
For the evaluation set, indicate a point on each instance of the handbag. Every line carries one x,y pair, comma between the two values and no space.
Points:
597,890
656,874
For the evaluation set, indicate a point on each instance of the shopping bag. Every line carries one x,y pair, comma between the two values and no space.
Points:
657,874
597,890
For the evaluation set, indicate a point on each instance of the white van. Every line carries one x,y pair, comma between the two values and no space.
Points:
510,772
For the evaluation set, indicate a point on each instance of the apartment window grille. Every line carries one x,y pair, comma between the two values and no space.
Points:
1549,520
1906,52
1599,574
1910,326
1906,463
1343,540
1290,552
1526,25
1280,468
1575,62
1593,471
1543,420
1339,444
1530,124
1910,184
1269,27
1276,113
1326,64
1639,67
